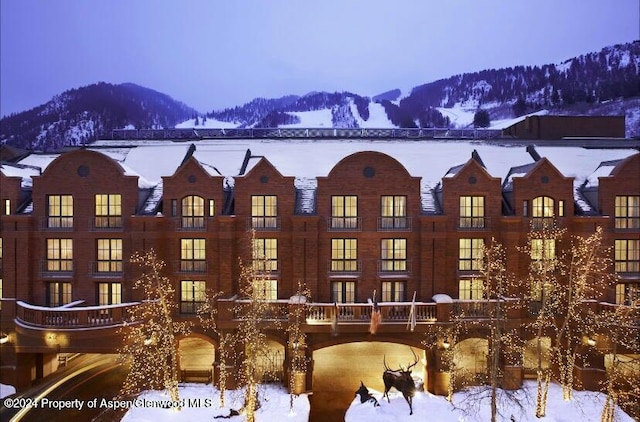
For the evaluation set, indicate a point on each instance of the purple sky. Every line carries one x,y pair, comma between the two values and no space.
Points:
215,54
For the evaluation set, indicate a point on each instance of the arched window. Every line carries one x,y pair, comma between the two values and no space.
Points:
192,212
542,211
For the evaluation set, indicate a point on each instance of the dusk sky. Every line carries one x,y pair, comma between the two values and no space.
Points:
216,54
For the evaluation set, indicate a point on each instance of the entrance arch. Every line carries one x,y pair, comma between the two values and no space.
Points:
338,370
196,353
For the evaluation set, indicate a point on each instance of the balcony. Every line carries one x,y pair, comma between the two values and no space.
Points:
343,267
473,223
266,267
106,223
394,224
74,317
61,224
190,224
107,269
390,267
391,312
56,268
191,266
344,224
263,224
544,223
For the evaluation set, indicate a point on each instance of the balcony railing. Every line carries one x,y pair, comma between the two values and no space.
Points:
191,223
106,223
344,224
56,268
317,313
74,317
344,267
545,223
107,269
190,266
263,223
394,266
623,224
57,224
390,224
266,266
473,223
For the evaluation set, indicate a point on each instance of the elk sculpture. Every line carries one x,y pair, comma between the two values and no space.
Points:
365,396
402,381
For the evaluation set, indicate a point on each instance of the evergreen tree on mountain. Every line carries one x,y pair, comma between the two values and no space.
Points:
481,118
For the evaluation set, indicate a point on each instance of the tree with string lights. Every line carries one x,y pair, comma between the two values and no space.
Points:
150,335
255,313
296,343
623,331
208,315
543,297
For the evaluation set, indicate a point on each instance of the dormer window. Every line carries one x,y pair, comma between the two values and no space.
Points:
264,212
471,212
542,212
192,212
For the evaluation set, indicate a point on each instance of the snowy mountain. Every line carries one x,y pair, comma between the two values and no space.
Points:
598,83
82,115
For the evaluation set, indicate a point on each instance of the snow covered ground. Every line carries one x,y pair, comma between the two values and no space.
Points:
6,390
585,407
200,403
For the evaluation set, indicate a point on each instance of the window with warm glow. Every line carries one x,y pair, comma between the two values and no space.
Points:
344,212
472,212
393,255
393,211
542,211
192,212
59,255
193,255
627,293
470,289
266,289
470,254
394,291
109,255
59,211
192,296
265,255
627,212
58,293
264,211
109,293
627,255
344,255
108,210
343,291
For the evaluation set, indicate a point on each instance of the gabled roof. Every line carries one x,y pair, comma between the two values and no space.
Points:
518,171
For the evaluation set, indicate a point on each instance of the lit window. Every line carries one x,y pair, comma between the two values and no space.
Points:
109,294
264,211
344,212
393,210
59,255
266,289
212,208
472,212
192,212
471,289
543,249
471,252
627,212
344,255
58,293
193,255
627,255
108,210
192,296
59,211
265,255
542,211
627,293
7,207
394,291
393,255
109,255
343,291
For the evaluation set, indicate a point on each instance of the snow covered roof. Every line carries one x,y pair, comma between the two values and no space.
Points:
603,170
518,171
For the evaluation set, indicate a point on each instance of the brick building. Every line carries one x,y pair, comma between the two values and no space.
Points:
349,219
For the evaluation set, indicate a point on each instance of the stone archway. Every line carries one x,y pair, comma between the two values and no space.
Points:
196,353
